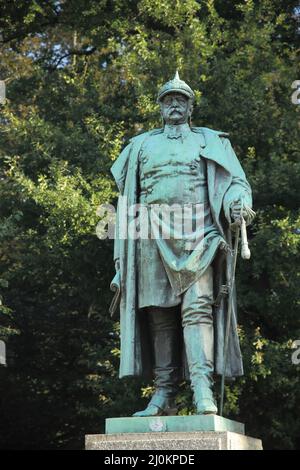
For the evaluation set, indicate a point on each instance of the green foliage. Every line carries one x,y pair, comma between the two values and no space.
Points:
82,77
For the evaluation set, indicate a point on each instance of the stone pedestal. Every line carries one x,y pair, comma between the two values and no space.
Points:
205,432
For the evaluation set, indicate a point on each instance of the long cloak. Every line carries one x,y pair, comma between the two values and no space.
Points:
226,182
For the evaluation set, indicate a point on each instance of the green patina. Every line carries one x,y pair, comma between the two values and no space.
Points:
182,165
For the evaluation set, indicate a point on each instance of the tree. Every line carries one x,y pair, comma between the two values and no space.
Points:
82,77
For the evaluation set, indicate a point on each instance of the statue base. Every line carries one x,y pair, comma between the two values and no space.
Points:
203,432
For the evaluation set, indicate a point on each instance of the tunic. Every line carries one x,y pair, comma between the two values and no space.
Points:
181,243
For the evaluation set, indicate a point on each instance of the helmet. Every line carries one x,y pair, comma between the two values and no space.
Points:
177,86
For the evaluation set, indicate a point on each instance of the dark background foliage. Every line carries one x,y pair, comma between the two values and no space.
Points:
81,77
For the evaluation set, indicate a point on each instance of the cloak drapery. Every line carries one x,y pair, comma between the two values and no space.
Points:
226,182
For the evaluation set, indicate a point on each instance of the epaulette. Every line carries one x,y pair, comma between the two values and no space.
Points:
156,131
199,130
151,132
137,136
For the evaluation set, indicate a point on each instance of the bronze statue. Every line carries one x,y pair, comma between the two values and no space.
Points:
176,292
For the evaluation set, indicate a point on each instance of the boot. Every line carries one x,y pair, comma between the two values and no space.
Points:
198,339
160,405
166,345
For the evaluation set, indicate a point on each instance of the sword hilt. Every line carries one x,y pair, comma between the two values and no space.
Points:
245,252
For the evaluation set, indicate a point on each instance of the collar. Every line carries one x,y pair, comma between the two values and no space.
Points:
177,131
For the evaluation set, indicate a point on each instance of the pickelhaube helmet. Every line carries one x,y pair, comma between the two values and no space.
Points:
176,85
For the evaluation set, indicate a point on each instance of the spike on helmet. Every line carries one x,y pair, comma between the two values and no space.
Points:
176,85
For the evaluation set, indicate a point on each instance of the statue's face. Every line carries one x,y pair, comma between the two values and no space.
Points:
175,108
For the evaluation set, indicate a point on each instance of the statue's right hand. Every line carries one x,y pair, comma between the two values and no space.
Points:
117,264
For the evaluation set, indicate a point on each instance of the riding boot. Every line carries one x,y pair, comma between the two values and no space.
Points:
166,339
198,339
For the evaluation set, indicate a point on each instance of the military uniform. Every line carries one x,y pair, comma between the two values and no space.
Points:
171,171
167,282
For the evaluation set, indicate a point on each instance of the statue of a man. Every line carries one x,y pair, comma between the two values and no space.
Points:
171,324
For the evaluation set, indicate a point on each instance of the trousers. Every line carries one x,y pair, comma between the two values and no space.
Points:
192,322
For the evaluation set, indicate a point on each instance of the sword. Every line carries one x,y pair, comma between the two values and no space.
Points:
239,224
229,313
